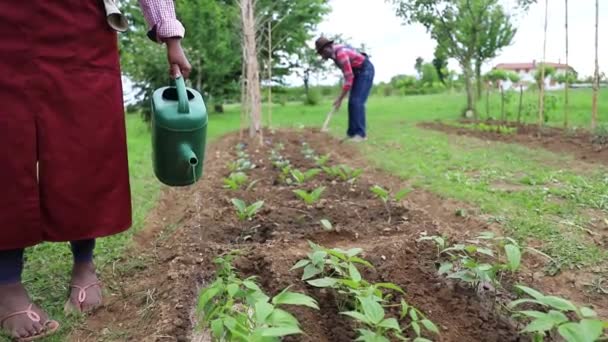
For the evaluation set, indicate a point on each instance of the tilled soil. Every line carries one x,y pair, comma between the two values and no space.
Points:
152,292
580,144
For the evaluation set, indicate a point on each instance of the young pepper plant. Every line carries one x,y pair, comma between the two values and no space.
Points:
238,310
244,211
572,323
310,197
386,197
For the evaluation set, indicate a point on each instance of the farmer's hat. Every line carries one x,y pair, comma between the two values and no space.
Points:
321,43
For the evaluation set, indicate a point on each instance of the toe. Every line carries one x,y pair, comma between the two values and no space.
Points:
31,330
38,328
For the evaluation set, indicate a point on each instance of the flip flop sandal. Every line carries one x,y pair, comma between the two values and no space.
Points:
50,327
70,307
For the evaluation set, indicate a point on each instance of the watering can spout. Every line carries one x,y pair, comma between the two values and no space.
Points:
188,155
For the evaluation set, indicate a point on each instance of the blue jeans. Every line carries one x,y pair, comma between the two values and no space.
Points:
364,79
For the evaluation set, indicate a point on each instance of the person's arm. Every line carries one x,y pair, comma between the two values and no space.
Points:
349,77
165,28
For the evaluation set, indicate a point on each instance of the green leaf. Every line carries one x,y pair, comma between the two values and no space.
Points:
354,273
390,286
262,311
372,310
540,325
318,257
557,317
310,271
361,261
217,328
558,303
531,292
358,316
401,194
239,204
404,308
445,268
353,251
413,315
485,251
416,326
281,331
513,257
585,331
533,314
430,326
588,313
323,282
370,336
293,298
317,192
515,303
390,323
327,224
251,285
232,289
280,317
300,264
422,339
206,296
255,207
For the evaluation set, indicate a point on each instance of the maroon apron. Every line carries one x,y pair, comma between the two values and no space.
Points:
61,106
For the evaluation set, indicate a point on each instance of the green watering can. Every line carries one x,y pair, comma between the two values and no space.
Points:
179,134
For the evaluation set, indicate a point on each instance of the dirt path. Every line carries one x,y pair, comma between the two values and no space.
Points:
152,292
579,144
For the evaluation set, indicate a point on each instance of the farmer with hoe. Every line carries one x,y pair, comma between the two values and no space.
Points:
64,174
358,80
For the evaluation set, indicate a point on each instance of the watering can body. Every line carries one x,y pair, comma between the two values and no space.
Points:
179,134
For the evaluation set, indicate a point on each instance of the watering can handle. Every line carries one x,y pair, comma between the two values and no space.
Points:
182,96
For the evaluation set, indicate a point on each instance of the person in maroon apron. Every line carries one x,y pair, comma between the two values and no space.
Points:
63,153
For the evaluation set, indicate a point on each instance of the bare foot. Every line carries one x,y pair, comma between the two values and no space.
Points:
85,294
13,299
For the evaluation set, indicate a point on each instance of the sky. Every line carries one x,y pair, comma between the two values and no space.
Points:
395,47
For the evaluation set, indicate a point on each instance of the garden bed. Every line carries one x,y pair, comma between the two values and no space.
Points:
579,143
154,291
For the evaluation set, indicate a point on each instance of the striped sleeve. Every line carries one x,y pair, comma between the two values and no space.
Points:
161,18
347,69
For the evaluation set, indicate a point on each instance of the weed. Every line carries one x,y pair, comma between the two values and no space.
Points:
244,211
584,327
310,197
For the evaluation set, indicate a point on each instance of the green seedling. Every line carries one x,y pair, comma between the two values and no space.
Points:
235,180
302,177
322,160
343,172
310,197
244,211
308,152
563,318
235,309
386,197
440,242
241,165
418,322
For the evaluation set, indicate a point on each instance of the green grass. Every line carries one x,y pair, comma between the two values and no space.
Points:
548,209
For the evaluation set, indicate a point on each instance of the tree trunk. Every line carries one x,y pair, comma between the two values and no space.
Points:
541,94
244,100
502,103
488,100
218,107
306,80
269,73
478,78
596,80
521,99
253,68
469,89
566,99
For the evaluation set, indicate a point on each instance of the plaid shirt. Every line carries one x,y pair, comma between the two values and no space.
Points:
160,16
348,58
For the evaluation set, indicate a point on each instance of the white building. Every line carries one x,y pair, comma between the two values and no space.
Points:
526,72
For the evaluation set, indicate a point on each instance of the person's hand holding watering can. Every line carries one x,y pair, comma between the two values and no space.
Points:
178,62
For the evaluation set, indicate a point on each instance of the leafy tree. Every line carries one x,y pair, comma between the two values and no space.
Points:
418,65
440,62
429,74
467,30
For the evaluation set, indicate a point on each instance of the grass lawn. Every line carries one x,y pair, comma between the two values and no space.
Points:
549,207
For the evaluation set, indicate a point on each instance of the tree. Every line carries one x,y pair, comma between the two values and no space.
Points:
441,64
418,65
429,74
596,78
456,25
496,77
252,68
308,63
495,32
542,75
567,80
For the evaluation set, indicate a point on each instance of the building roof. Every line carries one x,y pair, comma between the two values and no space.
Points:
533,65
